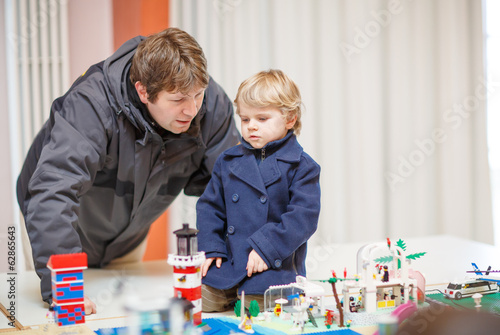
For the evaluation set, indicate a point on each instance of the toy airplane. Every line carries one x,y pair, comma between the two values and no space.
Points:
493,278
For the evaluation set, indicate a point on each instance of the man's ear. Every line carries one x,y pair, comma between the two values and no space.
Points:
141,90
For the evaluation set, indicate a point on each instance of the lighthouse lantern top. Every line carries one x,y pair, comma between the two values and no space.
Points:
187,242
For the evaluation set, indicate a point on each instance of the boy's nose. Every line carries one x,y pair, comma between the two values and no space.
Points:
252,125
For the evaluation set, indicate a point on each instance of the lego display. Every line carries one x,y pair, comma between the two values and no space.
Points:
364,301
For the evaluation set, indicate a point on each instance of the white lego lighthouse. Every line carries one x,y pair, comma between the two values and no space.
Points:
187,273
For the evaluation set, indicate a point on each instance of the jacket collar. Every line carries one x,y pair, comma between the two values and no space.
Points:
289,149
268,172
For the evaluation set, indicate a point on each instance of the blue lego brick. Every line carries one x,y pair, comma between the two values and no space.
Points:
68,292
67,276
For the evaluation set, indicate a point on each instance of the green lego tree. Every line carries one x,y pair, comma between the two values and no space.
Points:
237,308
400,243
254,308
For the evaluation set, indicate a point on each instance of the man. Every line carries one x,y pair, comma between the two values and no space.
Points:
119,146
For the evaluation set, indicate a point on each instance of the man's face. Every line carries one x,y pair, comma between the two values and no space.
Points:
173,111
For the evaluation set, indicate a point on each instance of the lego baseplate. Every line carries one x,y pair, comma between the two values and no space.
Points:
229,325
489,302
226,325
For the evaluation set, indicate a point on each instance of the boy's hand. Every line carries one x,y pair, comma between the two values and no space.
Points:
255,263
208,262
90,307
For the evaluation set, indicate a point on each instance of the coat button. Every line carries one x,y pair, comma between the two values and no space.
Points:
236,197
277,263
263,199
230,230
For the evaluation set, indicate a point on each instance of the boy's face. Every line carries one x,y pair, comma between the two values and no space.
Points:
260,126
173,111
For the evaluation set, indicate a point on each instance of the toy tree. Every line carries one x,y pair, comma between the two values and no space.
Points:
333,281
254,308
237,308
400,243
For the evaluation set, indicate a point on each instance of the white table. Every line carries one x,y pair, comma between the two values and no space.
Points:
4,323
108,288
447,259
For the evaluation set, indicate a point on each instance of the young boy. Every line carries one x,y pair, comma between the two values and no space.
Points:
263,201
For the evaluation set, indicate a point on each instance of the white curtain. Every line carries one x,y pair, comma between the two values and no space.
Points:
37,61
395,105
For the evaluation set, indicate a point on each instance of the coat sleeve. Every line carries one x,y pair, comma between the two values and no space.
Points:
276,241
211,217
68,162
219,133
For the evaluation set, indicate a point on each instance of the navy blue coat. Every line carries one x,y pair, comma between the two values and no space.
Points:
271,207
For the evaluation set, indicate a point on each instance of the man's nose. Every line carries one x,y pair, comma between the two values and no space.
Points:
191,108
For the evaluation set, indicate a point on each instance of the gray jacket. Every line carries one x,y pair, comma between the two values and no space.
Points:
99,173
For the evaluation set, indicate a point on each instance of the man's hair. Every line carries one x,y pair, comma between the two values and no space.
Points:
272,88
170,60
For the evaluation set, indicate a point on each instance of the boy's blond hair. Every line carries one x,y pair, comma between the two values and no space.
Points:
272,88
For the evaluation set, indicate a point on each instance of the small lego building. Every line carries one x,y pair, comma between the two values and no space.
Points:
276,294
67,287
187,272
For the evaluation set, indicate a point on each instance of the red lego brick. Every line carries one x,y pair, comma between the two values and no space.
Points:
67,261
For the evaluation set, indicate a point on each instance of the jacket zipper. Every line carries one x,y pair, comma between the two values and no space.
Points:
263,155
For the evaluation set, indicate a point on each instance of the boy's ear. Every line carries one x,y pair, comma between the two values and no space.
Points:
142,92
291,122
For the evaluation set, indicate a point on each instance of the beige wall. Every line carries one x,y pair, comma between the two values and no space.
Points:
90,41
6,197
90,34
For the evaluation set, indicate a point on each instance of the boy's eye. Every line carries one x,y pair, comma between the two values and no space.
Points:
262,119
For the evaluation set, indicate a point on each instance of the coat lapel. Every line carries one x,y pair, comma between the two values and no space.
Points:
269,171
247,170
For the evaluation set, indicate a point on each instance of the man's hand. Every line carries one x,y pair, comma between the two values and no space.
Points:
208,262
90,307
255,263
